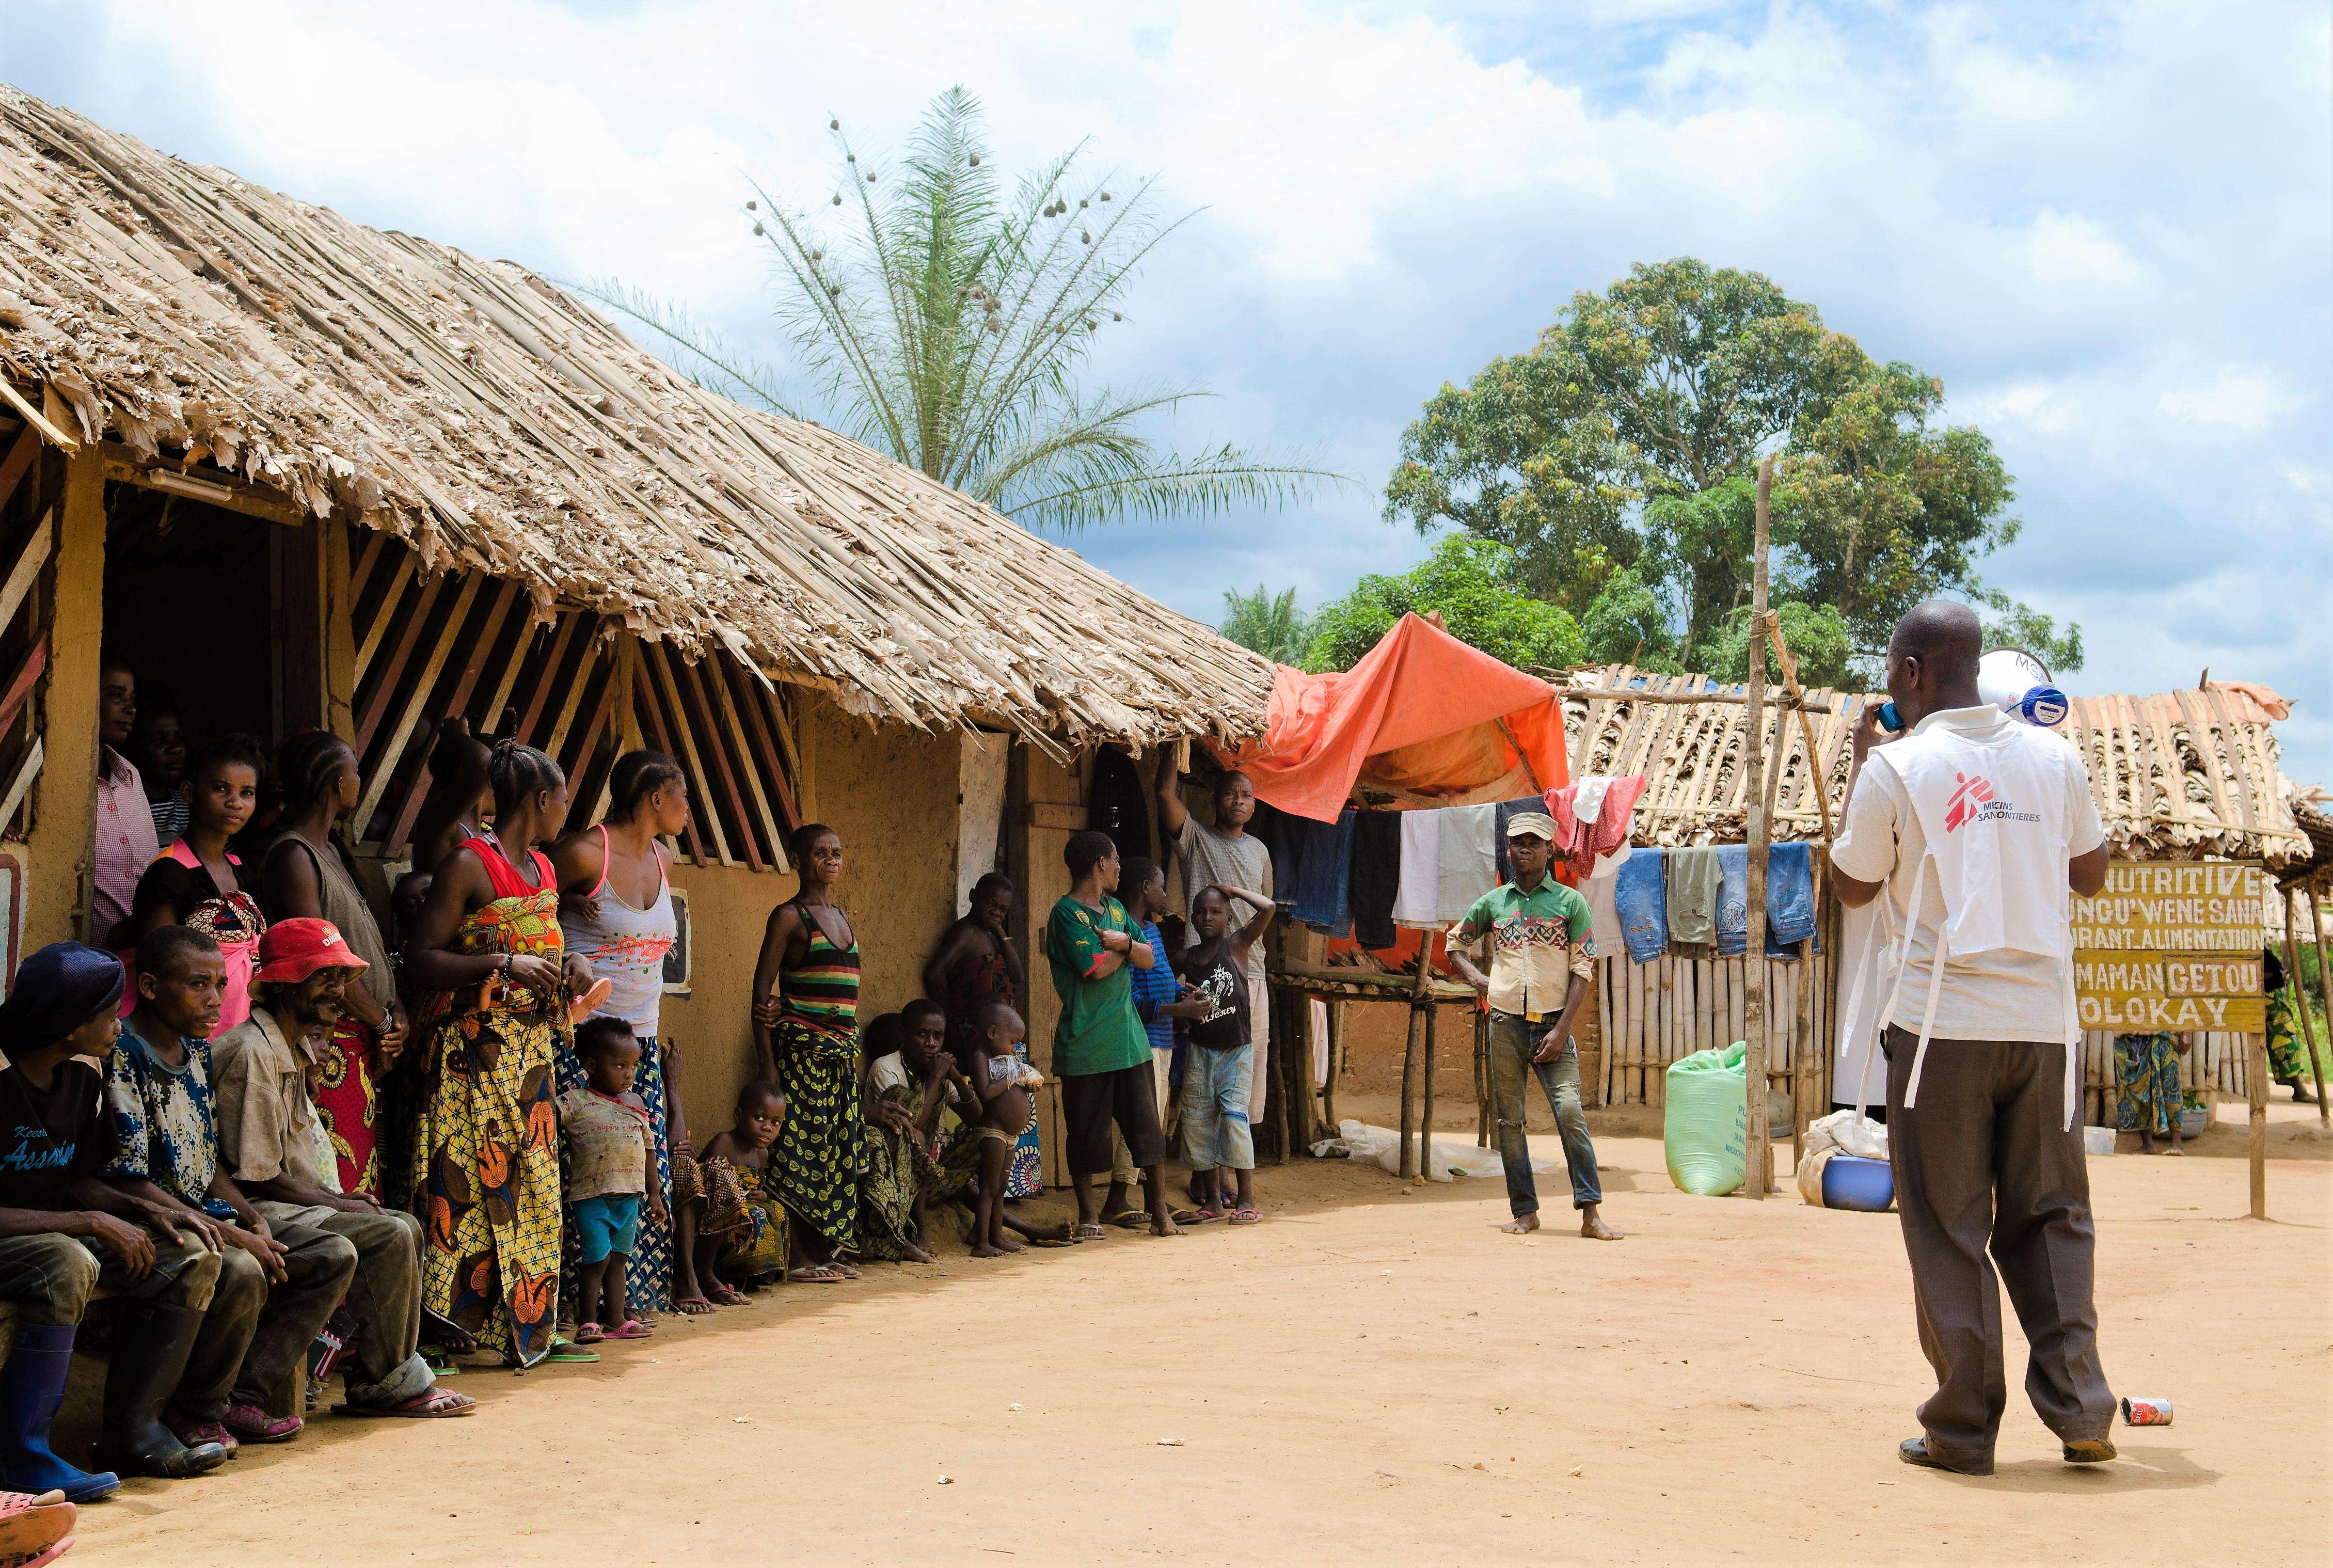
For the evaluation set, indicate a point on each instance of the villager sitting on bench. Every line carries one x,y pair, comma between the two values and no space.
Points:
273,1291
272,1144
64,1234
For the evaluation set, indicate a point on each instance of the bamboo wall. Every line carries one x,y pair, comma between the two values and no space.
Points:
1654,1014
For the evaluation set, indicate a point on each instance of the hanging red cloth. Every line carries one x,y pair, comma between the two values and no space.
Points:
1423,716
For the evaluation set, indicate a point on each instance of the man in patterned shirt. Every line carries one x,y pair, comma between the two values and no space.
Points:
1542,961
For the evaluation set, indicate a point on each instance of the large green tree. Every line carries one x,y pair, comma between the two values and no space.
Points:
1618,455
945,319
1471,583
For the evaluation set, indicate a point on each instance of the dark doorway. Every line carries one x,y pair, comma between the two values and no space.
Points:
189,604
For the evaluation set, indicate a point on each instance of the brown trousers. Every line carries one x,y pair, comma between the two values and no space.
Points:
1986,1156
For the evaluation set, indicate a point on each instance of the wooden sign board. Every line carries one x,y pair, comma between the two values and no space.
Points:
2167,946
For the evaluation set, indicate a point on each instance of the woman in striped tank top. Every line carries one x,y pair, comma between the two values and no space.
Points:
806,1028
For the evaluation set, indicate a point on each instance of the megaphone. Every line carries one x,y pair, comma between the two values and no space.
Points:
2019,684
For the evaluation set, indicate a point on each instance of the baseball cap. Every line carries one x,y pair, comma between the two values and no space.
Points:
1532,824
292,950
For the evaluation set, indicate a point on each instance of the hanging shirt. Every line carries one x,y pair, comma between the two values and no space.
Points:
1539,941
1994,992
1466,861
1419,901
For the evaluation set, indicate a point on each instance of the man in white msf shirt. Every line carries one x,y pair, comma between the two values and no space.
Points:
1985,821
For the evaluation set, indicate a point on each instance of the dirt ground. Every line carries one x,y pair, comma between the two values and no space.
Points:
1375,1374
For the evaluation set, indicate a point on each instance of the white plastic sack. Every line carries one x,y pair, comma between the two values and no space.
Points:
1810,1169
1850,1133
1442,1160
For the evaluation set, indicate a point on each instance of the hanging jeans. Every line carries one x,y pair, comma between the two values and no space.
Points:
1514,1039
1641,897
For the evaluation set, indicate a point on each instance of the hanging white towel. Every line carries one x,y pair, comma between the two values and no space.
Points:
1587,799
1468,858
1604,909
1418,899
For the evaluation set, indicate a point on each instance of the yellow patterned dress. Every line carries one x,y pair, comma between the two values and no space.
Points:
485,1145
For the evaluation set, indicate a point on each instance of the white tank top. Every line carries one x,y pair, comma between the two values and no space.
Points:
626,946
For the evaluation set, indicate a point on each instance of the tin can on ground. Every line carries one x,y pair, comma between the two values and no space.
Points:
2146,1412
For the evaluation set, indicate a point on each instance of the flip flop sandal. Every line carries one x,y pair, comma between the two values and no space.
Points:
1193,1216
730,1295
31,1523
685,1302
1086,1233
1047,1241
815,1273
436,1404
587,1334
1246,1216
570,1351
631,1329
1128,1218
36,1559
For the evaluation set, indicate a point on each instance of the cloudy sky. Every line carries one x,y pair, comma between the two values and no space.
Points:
2108,228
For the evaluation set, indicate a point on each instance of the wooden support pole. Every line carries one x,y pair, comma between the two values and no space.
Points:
1805,1051
1336,1066
2258,1084
1426,1113
2325,989
1760,1172
2303,1023
1408,1092
56,902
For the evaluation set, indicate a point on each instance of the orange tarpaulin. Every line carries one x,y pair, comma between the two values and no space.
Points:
1422,716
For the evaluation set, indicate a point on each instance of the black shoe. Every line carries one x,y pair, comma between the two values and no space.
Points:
2089,1451
149,1356
1914,1451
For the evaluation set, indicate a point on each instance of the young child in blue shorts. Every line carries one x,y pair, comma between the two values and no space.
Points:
609,1144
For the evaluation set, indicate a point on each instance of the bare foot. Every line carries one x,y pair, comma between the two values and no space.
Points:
1006,1244
1164,1225
920,1255
1593,1227
985,1250
1521,1224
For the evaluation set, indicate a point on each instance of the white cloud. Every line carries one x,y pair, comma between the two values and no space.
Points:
2239,399
2106,226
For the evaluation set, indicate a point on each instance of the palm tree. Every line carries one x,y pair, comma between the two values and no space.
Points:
1268,624
947,326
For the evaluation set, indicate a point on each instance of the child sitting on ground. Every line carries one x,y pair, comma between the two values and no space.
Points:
610,1148
740,1228
1002,1080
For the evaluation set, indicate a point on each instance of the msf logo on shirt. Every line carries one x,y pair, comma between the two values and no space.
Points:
1972,791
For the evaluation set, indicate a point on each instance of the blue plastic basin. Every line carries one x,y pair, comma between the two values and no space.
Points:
1869,1185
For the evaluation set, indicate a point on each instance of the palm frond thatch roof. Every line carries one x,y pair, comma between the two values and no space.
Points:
2177,775
484,416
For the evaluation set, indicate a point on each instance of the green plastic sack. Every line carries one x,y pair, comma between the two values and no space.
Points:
1703,1130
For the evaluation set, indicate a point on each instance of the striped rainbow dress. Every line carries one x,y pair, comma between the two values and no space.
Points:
813,1170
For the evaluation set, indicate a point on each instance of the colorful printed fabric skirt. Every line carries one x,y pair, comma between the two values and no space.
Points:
814,1169
648,1281
348,1099
1024,1173
2284,1059
2147,1095
486,1182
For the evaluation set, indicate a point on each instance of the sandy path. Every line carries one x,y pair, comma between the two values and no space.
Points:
1371,1376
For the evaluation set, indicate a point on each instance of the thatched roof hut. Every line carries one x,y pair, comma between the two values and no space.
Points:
2181,773
481,414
